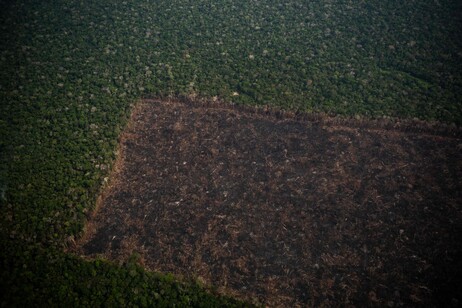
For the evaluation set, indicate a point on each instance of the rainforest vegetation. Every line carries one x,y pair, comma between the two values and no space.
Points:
71,70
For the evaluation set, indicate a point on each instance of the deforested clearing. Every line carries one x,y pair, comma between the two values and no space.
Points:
282,209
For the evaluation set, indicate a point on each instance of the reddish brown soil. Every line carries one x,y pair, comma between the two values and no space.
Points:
286,210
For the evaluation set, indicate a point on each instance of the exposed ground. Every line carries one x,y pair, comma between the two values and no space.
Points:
289,210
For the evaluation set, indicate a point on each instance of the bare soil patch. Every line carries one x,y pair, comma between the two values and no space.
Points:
286,209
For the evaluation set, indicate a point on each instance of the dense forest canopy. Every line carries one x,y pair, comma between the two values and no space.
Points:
70,70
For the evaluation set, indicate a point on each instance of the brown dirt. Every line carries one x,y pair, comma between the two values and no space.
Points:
292,210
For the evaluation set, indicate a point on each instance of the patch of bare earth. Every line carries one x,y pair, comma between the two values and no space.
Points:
289,211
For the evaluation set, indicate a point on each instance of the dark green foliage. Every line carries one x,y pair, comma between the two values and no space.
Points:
33,276
71,69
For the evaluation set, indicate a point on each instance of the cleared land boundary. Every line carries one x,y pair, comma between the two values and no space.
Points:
284,208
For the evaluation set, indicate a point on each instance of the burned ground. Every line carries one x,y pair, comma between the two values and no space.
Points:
285,210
